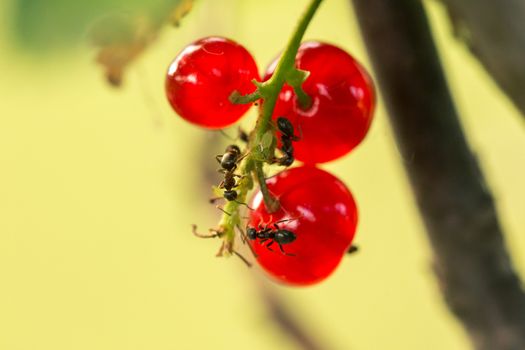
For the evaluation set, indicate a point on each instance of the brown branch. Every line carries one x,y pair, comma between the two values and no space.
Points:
286,321
494,31
470,259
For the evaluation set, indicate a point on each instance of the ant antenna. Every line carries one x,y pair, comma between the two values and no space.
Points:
242,258
226,135
285,220
224,211
215,199
244,239
247,206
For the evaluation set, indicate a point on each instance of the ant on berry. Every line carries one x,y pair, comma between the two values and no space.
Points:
288,136
272,234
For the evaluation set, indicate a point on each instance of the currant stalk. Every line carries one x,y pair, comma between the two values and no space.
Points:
262,139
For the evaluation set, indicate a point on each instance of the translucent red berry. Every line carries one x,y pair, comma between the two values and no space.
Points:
342,103
202,77
318,211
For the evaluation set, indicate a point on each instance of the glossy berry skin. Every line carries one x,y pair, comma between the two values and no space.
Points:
202,77
342,103
324,218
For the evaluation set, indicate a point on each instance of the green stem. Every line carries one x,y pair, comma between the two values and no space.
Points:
268,91
271,88
271,203
305,101
295,79
237,98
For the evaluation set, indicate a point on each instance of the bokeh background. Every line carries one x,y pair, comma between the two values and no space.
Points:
99,187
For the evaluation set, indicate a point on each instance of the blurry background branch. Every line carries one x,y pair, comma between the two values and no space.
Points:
286,321
470,259
494,31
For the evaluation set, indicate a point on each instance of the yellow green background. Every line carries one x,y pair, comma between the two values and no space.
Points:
99,187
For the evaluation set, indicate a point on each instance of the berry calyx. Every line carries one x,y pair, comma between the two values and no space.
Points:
341,108
203,76
314,226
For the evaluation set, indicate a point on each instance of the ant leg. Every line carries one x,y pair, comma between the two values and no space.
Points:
244,238
276,226
266,224
226,135
352,249
215,199
242,157
218,158
284,220
200,235
242,258
243,136
224,211
221,185
247,206
281,221
269,245
285,253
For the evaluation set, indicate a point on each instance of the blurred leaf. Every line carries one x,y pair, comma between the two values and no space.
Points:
122,29
48,24
121,37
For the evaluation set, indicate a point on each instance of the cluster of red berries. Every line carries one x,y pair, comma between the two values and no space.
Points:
317,217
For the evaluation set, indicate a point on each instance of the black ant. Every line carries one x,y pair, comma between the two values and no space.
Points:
273,234
230,158
287,137
228,162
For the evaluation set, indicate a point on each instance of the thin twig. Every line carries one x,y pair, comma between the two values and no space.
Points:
470,259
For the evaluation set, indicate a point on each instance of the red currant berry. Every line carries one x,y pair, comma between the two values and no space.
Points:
202,77
342,103
314,226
